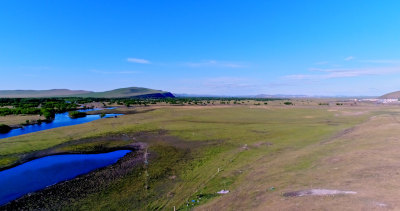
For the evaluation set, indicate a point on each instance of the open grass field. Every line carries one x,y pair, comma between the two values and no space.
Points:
16,120
256,152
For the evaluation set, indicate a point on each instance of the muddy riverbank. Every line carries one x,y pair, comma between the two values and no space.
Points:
61,194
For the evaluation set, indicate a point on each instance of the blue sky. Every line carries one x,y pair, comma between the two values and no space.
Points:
314,47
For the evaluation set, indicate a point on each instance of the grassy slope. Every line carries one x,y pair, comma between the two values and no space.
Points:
40,93
123,92
392,95
363,159
116,93
246,136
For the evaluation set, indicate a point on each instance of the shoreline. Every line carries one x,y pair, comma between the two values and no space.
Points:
33,122
82,184
44,153
157,146
39,121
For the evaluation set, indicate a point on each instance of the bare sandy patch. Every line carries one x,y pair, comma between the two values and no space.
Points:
19,119
262,143
352,113
317,192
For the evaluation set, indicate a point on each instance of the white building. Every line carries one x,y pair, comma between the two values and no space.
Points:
384,101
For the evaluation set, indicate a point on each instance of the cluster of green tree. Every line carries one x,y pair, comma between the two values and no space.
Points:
190,101
48,107
58,104
10,111
76,114
47,113
186,100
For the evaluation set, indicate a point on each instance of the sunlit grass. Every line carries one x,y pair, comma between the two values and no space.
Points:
237,136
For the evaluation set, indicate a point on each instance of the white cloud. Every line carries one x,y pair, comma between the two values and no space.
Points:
29,75
382,61
344,73
349,58
228,83
27,68
321,63
139,61
214,63
115,72
337,72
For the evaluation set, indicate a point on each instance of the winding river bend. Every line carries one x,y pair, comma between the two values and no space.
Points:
60,120
40,173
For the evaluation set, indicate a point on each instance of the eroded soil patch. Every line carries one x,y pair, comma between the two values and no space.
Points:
317,192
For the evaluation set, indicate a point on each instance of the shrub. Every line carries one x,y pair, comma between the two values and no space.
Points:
4,128
76,114
48,114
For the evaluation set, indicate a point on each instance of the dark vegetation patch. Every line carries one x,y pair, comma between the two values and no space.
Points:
76,114
46,107
119,111
4,128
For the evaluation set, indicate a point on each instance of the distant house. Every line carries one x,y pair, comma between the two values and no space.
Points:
385,101
369,100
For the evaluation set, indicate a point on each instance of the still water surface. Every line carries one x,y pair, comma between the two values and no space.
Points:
40,173
60,120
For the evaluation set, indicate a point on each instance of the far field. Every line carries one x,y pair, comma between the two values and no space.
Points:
256,151
19,119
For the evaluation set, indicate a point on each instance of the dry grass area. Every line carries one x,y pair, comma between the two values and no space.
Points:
365,160
19,119
262,151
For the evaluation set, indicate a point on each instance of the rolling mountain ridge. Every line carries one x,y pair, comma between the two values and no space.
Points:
391,95
116,93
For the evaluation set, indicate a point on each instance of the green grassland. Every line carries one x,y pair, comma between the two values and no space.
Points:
207,149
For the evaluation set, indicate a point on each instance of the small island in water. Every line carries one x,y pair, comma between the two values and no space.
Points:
76,114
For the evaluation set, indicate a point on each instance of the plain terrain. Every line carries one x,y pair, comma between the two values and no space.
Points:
19,119
257,152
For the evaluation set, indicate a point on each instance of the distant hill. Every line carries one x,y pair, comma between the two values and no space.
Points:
40,93
280,96
392,95
129,92
117,93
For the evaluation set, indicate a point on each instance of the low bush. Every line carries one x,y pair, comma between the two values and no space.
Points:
76,114
4,128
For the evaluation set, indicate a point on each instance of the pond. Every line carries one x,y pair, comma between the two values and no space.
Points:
40,173
60,120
